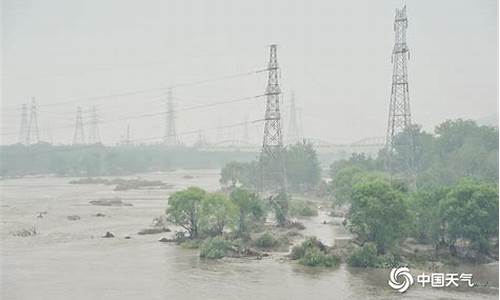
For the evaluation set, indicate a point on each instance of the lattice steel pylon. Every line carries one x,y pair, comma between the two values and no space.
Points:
170,138
78,137
399,109
293,132
271,158
33,135
94,137
23,128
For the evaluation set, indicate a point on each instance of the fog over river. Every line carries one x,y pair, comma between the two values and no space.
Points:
68,259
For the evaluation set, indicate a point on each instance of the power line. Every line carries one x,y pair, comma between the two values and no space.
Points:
189,108
77,147
137,92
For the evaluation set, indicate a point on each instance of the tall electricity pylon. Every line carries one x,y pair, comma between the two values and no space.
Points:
33,135
23,129
170,138
94,137
293,131
79,137
271,158
399,108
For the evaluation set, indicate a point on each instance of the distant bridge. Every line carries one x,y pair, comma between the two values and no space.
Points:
370,144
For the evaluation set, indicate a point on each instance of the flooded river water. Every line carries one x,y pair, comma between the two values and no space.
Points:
68,259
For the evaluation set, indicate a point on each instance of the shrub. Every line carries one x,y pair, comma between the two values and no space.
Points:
214,248
314,257
303,209
266,240
190,244
314,254
364,257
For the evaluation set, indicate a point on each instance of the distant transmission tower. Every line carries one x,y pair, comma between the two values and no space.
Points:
201,139
293,127
94,137
23,129
246,135
78,137
271,158
170,138
33,135
399,109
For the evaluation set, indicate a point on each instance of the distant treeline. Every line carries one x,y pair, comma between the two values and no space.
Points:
96,160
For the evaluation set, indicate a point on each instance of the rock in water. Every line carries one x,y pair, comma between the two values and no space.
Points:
108,235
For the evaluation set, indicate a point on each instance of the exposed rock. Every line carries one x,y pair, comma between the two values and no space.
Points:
154,230
165,240
110,202
73,217
100,215
159,221
108,235
296,225
26,232
127,237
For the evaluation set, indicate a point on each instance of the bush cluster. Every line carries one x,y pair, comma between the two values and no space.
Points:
214,248
313,253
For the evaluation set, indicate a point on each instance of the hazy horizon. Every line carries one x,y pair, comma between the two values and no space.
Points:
335,56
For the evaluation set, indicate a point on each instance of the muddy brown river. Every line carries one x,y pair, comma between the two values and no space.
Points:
68,259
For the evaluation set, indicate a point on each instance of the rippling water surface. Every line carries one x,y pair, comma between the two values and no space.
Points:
69,259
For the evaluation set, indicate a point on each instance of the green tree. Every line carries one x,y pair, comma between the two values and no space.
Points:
470,211
280,204
184,209
303,170
232,173
428,223
217,211
378,213
250,209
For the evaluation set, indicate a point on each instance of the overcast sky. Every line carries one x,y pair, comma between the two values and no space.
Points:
335,56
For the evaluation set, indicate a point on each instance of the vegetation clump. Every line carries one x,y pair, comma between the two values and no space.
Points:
214,248
364,257
299,208
313,253
122,184
269,241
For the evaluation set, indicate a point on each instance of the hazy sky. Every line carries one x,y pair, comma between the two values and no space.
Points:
335,56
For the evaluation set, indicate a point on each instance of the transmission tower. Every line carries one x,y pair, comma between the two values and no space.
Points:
293,127
33,135
271,158
78,137
201,139
23,129
170,138
246,135
94,137
399,109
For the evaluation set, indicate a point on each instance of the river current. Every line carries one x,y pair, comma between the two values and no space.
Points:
68,259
